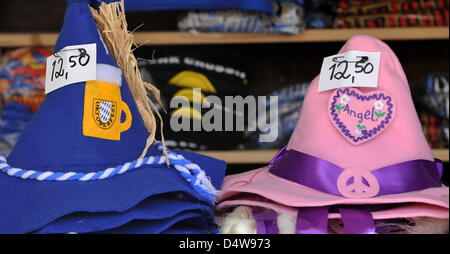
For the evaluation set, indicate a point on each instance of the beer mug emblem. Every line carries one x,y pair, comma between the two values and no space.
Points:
104,113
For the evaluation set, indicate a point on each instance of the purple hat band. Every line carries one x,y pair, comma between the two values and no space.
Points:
323,175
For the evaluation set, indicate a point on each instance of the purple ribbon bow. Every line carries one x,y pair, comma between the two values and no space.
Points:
266,222
314,220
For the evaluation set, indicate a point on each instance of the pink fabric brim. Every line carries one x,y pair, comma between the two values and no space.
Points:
432,202
405,211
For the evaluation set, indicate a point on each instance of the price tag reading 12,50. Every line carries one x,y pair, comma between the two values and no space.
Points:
70,65
352,69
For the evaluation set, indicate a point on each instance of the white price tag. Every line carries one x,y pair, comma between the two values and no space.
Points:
354,68
70,65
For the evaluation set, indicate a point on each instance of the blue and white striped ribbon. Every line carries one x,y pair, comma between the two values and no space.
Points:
190,171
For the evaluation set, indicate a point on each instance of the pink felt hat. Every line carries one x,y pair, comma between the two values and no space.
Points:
351,147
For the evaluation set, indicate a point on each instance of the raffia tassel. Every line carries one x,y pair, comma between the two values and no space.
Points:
111,22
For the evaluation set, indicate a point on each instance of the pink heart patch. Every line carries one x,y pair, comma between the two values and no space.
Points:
360,117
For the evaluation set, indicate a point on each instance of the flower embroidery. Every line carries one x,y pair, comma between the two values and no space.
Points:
379,105
343,100
359,129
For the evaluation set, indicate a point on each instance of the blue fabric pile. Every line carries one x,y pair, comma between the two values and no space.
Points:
60,178
153,5
285,18
245,16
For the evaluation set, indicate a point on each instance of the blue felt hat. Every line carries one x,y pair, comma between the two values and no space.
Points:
76,163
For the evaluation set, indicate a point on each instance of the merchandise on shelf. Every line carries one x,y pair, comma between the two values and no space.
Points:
392,13
350,7
153,5
287,18
422,19
179,75
357,163
87,162
22,77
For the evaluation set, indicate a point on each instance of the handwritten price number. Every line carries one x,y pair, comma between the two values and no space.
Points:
360,67
58,64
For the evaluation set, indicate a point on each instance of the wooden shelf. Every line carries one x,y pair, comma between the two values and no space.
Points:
441,154
185,38
313,35
264,156
27,39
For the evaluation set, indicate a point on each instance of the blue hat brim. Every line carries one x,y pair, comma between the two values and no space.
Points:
144,212
186,229
29,205
190,221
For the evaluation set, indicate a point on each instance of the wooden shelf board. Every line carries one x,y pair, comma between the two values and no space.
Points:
185,38
312,35
27,39
264,156
441,154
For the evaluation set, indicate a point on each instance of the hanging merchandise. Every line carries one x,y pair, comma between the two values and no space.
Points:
435,98
287,18
357,162
178,76
424,18
433,102
290,100
88,161
398,13
22,77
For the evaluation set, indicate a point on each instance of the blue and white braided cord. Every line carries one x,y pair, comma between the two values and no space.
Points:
191,172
